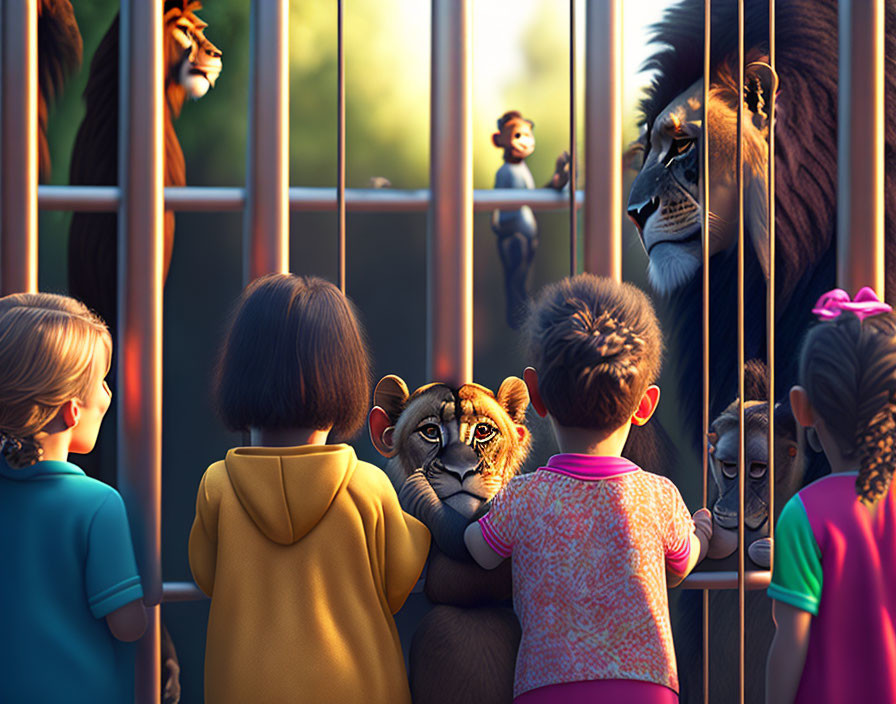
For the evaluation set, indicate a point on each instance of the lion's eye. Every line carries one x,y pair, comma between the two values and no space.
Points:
679,146
430,432
483,432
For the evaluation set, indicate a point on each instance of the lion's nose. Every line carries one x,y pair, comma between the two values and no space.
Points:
641,212
460,460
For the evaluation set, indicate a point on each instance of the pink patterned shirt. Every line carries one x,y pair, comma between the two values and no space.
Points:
590,539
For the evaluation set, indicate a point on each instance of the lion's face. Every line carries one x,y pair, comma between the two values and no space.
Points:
469,442
193,62
665,198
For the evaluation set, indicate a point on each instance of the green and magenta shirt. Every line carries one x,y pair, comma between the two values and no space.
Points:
590,539
836,559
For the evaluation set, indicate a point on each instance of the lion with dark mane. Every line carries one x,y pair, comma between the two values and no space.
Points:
665,205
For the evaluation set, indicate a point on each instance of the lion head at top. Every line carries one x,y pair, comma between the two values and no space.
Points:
192,61
665,202
468,441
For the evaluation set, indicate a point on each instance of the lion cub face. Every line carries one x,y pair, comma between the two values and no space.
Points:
469,442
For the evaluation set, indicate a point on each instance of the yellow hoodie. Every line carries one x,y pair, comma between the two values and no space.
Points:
306,555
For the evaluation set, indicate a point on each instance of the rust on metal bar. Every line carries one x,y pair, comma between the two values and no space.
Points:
139,344
603,138
18,147
266,224
449,343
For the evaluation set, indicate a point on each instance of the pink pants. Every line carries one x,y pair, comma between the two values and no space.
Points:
603,691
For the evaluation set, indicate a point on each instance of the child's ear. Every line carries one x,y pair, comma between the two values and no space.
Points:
648,405
802,409
70,412
382,432
530,376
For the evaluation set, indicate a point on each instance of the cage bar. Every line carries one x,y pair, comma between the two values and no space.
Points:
704,243
741,427
340,146
449,343
266,223
139,344
603,138
860,147
18,150
301,199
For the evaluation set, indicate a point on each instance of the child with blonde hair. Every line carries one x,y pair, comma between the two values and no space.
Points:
69,588
595,541
303,549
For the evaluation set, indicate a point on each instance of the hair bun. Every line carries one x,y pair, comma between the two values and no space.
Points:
19,452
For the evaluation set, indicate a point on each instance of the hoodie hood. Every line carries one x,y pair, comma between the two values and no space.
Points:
287,490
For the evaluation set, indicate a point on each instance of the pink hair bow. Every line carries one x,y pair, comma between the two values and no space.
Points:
834,302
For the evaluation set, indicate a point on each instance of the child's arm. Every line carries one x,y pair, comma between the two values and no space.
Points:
787,654
203,548
481,551
128,622
698,545
406,545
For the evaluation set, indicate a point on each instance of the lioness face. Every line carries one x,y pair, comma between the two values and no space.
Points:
665,198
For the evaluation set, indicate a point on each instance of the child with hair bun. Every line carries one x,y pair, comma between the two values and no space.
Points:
595,540
834,565
303,549
69,588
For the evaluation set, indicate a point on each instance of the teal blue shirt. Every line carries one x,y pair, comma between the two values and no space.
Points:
66,561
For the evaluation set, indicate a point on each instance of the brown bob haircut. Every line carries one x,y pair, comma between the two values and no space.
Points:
294,357
596,345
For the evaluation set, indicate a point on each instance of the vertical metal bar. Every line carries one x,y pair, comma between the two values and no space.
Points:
770,288
340,144
704,232
266,224
450,242
741,454
573,214
139,345
860,146
18,175
603,138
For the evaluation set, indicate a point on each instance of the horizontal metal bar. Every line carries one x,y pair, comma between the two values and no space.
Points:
754,579
359,200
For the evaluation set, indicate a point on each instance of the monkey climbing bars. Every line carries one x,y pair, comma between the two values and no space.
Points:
266,199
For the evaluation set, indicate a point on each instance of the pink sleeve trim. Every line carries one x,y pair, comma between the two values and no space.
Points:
677,559
494,542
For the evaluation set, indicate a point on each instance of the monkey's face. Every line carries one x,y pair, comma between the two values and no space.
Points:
723,453
517,139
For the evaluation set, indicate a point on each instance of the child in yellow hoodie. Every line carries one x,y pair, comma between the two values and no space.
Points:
303,549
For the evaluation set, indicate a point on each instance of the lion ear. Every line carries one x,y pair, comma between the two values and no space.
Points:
390,394
514,398
760,86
